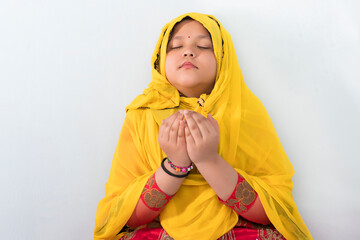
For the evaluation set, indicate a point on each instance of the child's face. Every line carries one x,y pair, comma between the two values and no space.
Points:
191,44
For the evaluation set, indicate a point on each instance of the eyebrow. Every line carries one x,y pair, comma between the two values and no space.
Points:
199,36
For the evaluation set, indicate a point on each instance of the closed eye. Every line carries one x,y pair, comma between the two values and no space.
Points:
204,47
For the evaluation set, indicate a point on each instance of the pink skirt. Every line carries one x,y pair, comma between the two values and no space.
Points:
243,230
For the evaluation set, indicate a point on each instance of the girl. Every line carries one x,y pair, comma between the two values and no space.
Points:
198,156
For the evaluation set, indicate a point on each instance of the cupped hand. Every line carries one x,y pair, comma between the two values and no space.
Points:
202,136
172,139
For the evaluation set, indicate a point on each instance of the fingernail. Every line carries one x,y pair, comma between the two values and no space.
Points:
186,112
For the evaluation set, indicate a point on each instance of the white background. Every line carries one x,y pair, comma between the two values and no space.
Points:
69,68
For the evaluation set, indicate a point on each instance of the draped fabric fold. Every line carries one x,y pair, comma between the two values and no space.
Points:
248,142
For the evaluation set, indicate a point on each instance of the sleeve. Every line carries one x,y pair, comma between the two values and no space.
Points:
153,197
242,198
128,176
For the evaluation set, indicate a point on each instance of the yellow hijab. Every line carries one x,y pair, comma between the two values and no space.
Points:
248,141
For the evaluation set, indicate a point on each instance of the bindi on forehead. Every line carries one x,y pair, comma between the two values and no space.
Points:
189,36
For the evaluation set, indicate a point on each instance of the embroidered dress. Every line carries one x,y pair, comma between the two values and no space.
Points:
243,230
155,199
248,142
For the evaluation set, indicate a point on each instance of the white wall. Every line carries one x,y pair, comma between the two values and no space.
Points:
69,68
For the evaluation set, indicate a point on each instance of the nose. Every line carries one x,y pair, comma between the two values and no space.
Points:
189,52
186,54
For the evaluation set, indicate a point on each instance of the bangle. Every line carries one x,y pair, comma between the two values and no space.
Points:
170,173
179,169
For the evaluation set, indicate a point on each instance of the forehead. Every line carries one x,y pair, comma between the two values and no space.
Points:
191,28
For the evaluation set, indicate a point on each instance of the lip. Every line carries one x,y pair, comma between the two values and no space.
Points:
188,65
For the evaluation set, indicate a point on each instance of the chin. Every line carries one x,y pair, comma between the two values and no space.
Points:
188,81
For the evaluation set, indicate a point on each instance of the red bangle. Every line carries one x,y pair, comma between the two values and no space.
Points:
242,198
153,197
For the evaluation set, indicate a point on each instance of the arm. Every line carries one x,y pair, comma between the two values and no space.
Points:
202,136
172,142
167,185
223,178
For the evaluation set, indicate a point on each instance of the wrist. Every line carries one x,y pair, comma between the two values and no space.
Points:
167,183
170,167
208,159
181,162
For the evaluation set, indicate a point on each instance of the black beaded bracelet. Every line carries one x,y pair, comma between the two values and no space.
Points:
170,173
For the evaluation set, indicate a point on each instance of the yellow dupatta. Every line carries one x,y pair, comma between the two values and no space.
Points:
248,141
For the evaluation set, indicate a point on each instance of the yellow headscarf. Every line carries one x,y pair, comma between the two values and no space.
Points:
248,142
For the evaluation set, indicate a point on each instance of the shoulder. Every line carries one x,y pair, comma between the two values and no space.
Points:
138,117
134,114
138,114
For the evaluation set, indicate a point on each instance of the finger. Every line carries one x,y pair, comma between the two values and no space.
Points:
188,137
173,132
166,125
192,125
162,130
203,123
181,132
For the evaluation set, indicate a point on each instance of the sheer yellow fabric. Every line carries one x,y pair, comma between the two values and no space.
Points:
248,141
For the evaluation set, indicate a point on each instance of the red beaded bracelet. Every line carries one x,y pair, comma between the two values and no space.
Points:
180,169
